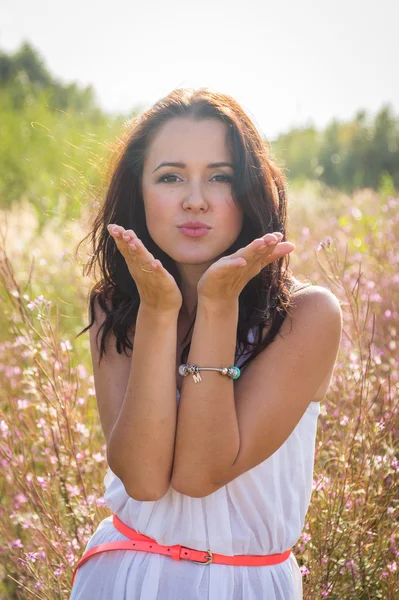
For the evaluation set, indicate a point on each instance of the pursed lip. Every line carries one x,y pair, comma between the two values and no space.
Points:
194,225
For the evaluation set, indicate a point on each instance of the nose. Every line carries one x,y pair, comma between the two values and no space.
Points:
195,198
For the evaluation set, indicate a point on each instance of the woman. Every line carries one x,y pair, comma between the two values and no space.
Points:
191,241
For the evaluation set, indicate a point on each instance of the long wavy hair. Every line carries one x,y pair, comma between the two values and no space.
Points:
259,187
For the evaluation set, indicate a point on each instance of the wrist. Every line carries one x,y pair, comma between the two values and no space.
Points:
218,307
158,313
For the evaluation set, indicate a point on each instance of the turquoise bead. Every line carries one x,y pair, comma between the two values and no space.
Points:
236,373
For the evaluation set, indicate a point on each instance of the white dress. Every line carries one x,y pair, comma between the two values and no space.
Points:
260,512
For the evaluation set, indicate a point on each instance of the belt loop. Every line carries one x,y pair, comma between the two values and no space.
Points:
175,551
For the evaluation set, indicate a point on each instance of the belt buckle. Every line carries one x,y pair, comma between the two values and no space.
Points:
210,558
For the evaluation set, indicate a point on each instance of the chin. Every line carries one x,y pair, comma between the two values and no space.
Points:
195,256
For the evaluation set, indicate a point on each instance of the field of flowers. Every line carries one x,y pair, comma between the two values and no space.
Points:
52,450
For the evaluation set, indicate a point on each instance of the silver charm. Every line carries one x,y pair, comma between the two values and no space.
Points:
232,372
197,377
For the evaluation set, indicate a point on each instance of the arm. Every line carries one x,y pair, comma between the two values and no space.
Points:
141,446
207,439
221,432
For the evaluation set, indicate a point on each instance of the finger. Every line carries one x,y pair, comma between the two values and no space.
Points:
273,238
119,232
261,247
276,234
130,246
279,250
267,240
250,251
122,236
255,245
141,249
266,246
120,240
233,262
271,243
143,256
115,230
128,235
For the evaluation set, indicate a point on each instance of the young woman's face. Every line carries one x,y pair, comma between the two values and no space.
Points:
196,189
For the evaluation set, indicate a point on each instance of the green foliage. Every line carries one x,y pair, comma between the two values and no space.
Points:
53,139
345,156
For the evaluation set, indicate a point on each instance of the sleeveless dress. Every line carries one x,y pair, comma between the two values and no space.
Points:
260,512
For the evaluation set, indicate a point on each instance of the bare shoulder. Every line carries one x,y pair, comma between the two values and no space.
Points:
317,300
315,312
315,316
312,307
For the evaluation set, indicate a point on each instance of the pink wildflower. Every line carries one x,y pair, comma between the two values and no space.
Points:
392,567
60,570
82,373
23,404
66,345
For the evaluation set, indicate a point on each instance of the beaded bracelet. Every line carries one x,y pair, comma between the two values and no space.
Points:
231,372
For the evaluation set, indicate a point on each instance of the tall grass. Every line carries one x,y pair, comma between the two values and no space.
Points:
52,450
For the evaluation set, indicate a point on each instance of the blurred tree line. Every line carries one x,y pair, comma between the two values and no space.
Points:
363,153
55,139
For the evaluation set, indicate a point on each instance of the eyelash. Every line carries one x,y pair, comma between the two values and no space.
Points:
161,179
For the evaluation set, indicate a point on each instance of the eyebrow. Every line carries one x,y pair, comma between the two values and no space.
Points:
182,165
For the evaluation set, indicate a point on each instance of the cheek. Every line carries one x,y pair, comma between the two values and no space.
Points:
155,206
159,215
232,213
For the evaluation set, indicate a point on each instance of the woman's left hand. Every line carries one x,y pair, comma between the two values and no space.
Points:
226,278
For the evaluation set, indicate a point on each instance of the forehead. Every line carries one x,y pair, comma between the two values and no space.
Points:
183,139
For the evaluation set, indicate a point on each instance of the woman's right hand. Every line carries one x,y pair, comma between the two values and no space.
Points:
158,290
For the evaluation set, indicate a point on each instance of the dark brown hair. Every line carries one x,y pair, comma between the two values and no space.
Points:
259,188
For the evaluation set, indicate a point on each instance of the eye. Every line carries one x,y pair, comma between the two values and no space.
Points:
226,178
166,178
162,179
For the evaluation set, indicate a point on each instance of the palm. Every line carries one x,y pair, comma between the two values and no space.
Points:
228,276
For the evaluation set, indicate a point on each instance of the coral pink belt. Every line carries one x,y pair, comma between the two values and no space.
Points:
141,542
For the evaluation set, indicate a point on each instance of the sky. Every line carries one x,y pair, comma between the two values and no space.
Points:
289,63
